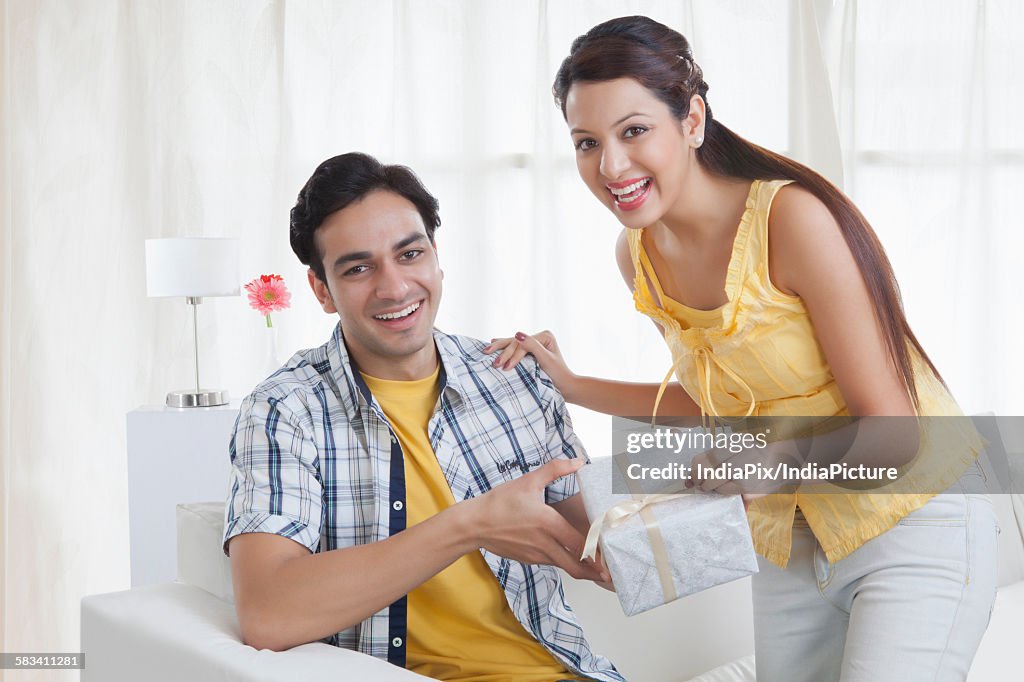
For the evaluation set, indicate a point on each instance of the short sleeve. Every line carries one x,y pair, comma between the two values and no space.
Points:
561,441
275,483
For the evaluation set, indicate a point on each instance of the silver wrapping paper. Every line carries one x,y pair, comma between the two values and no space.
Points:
706,536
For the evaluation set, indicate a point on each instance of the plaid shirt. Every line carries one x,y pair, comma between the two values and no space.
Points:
314,459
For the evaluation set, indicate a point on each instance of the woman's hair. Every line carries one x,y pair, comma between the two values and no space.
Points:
660,59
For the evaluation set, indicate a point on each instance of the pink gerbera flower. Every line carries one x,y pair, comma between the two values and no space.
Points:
268,294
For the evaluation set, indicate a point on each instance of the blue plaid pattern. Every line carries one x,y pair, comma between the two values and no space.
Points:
314,459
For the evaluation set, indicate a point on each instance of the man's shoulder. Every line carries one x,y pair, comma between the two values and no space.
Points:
465,355
305,377
470,351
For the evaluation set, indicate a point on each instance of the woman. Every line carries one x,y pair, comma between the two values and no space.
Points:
851,587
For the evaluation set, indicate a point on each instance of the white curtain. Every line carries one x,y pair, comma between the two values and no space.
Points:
928,95
127,120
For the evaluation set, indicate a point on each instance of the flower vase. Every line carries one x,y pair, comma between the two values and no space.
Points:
271,359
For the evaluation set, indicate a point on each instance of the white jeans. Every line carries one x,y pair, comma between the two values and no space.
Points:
909,605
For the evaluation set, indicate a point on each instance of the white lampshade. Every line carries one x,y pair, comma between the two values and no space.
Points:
192,266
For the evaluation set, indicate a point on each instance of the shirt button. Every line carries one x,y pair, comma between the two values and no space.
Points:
396,642
397,505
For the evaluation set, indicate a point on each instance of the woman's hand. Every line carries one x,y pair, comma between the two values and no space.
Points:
543,347
753,471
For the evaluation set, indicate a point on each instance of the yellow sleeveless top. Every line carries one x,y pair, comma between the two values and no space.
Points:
758,355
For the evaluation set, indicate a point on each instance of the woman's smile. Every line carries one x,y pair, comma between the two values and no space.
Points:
630,195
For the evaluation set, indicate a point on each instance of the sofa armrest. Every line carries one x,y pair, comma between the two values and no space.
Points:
173,632
740,670
200,559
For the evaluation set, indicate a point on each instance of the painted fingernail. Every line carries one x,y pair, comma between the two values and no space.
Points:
520,336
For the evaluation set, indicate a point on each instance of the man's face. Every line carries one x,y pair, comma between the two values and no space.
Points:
384,282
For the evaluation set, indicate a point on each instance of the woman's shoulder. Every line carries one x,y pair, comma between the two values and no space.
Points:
805,238
796,216
790,202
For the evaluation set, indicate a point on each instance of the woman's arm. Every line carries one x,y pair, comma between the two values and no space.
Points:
622,398
617,398
808,257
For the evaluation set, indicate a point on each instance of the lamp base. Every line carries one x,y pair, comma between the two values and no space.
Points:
200,398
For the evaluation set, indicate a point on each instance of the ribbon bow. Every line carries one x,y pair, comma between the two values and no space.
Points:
704,358
622,512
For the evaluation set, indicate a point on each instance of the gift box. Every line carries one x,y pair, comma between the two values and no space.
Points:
659,548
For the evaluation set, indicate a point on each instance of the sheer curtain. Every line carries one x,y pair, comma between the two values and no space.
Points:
123,121
5,320
927,95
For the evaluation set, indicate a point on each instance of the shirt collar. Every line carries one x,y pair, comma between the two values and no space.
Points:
353,390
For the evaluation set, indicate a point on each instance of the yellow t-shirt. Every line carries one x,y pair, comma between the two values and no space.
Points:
460,626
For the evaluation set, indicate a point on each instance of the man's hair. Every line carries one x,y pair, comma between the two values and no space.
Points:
344,180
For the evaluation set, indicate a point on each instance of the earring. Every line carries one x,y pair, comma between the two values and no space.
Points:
699,140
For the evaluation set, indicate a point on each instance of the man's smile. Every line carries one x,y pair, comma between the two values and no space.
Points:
400,313
402,318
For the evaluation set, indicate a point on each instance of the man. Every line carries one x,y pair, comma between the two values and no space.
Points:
392,491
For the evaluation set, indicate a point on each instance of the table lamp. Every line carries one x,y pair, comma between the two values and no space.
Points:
193,267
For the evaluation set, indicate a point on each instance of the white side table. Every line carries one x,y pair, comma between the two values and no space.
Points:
174,456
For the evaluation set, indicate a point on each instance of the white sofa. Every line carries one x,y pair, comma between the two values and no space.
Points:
188,629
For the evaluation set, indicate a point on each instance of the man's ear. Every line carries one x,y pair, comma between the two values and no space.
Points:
322,293
434,245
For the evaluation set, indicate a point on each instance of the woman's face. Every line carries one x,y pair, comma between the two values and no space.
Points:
630,150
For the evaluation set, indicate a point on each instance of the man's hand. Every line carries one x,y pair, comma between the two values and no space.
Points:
280,586
512,521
